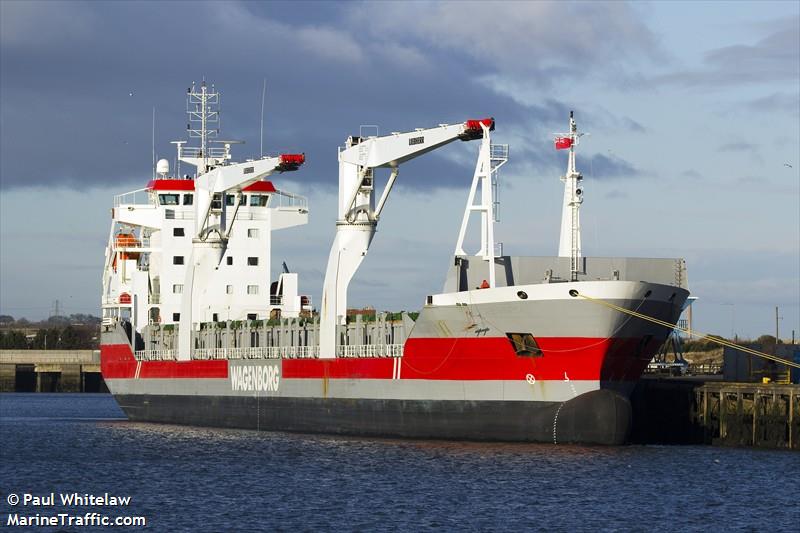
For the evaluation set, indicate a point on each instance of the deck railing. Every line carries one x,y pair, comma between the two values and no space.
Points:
275,352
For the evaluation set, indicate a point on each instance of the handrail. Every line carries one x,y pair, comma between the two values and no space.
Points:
135,198
275,352
288,200
155,355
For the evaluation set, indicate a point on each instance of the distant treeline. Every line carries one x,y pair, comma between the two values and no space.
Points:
66,338
79,319
706,345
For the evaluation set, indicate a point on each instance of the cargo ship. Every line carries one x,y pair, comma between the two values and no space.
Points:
196,331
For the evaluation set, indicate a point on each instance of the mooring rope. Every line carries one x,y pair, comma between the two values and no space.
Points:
723,342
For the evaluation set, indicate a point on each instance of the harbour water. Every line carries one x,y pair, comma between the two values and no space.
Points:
200,479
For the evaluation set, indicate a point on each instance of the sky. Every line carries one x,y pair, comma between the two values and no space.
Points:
693,110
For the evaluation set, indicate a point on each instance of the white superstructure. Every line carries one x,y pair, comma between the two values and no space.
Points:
198,248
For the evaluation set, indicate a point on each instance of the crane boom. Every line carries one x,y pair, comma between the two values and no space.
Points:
357,214
210,240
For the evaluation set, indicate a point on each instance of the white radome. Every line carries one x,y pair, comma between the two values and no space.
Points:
162,167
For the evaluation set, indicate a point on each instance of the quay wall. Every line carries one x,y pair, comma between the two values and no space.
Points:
51,371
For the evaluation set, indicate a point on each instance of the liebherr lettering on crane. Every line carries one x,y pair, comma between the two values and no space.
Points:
416,140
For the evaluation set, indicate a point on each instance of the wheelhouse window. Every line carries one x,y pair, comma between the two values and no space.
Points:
176,317
259,200
169,199
230,199
178,232
524,344
252,261
188,199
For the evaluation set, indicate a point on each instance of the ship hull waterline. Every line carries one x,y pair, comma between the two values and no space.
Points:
468,385
596,417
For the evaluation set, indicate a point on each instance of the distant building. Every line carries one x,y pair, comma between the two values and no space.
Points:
743,367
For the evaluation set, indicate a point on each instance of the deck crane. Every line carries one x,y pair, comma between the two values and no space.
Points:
357,213
212,232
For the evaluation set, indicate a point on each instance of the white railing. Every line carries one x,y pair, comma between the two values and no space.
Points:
154,355
264,352
137,197
212,152
275,352
498,152
370,350
132,244
285,200
113,301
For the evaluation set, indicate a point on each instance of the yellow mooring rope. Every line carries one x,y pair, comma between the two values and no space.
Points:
689,332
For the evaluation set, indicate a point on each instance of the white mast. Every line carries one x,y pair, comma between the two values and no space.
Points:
570,242
203,108
216,175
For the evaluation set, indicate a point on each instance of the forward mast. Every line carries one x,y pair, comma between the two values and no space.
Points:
570,240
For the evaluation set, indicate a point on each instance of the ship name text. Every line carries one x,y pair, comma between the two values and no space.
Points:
255,378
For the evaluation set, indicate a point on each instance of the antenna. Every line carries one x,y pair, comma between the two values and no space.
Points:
202,107
154,142
263,94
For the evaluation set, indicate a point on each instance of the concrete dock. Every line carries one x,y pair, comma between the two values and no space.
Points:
51,371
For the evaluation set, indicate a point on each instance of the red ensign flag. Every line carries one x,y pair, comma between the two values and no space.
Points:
563,143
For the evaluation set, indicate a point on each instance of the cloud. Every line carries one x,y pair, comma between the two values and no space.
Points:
778,102
633,126
741,147
774,58
42,24
323,81
610,166
616,194
692,173
527,38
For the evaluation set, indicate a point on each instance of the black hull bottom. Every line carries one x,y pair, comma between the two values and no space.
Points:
597,417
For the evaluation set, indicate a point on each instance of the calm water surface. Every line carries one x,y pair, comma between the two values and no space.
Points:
198,479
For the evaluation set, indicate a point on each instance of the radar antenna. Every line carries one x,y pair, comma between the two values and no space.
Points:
202,108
